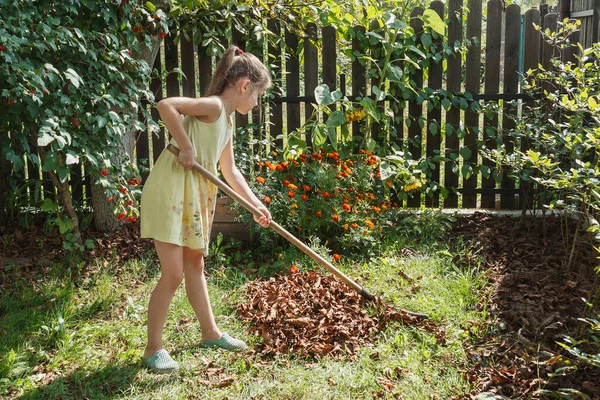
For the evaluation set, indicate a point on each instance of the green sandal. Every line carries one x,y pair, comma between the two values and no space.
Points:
225,342
161,362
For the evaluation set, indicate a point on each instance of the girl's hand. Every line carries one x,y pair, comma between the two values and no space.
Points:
186,158
265,219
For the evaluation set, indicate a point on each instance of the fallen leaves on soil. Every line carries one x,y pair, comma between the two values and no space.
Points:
534,299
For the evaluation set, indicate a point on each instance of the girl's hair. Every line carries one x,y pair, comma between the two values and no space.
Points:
234,65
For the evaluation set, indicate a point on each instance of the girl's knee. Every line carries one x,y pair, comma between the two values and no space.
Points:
194,259
172,278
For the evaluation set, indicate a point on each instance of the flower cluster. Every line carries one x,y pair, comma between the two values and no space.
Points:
325,193
123,193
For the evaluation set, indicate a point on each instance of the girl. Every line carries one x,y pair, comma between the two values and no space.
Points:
178,204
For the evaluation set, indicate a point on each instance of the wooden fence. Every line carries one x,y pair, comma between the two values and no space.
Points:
588,12
509,45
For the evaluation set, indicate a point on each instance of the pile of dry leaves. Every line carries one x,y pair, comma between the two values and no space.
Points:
311,314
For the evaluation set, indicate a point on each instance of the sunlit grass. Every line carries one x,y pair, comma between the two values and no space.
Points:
83,338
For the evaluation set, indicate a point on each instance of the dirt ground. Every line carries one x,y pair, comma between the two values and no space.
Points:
534,299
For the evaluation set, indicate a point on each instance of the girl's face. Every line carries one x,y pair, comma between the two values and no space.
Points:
249,97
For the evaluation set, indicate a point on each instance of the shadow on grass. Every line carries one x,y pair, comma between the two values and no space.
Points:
114,380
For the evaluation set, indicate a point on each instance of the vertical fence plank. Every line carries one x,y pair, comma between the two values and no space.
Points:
511,85
171,62
376,54
531,59
472,81
188,66
491,86
329,57
142,144
415,108
158,139
595,22
453,82
311,72
274,58
238,39
434,115
359,79
570,53
292,80
548,50
205,70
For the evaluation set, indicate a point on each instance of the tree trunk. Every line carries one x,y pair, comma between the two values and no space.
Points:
64,194
104,218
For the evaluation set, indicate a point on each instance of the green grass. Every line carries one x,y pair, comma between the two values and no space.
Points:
84,338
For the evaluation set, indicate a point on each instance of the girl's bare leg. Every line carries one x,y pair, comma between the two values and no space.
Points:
197,293
171,264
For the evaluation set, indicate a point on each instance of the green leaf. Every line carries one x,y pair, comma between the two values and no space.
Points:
71,159
45,139
151,6
336,119
433,128
64,225
394,73
465,152
72,76
432,19
49,206
322,95
319,136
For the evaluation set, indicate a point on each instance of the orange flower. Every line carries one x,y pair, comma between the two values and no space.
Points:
319,214
293,269
307,188
279,167
270,165
267,200
285,182
345,227
412,186
354,226
304,197
336,257
369,223
326,195
366,231
294,205
291,195
361,151
260,179
389,183
336,218
292,186
346,207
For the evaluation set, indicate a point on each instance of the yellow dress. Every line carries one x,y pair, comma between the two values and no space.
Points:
178,205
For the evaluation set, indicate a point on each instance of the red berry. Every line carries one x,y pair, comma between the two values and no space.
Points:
104,172
2,48
162,35
121,216
10,102
111,199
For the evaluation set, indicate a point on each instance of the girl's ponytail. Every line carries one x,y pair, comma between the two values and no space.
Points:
234,65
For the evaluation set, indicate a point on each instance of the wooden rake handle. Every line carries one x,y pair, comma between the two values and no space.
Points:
276,227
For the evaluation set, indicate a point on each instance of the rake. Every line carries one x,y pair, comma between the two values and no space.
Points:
289,237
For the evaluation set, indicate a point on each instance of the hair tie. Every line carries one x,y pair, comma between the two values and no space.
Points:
239,52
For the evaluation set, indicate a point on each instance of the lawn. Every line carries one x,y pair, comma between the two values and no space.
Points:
79,333
501,298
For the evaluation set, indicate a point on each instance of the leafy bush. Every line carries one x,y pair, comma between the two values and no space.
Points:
340,198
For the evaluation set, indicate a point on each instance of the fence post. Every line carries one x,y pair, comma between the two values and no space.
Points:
359,78
311,72
532,39
158,139
292,80
512,40
329,56
453,82
274,59
415,108
187,65
434,115
472,77
237,39
491,86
